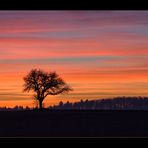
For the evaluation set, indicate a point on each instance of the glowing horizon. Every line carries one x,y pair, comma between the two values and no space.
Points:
101,54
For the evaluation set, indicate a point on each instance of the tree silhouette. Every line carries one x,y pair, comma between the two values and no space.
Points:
44,84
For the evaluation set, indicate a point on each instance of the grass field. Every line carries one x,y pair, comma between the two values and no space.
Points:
70,123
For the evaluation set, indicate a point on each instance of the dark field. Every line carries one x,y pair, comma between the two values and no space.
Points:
56,123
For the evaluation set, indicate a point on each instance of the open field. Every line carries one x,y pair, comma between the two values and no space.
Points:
66,123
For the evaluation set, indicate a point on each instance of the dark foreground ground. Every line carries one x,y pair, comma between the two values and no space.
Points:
51,123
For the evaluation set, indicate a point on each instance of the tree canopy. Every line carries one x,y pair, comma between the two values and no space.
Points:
44,84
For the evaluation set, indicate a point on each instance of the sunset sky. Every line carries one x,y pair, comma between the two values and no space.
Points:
101,54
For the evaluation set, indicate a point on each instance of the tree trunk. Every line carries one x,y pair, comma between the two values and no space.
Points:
40,104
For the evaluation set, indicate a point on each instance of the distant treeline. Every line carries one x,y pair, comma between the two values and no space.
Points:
118,103
15,108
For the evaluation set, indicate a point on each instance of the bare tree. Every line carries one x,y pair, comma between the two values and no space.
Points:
44,84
